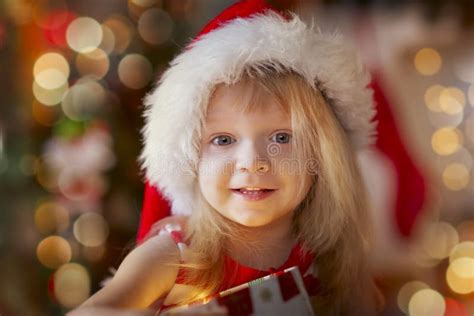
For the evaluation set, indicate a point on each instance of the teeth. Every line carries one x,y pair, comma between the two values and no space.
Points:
251,192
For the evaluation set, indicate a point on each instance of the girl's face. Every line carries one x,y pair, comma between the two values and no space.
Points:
246,171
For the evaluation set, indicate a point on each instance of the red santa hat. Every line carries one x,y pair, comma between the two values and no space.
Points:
250,32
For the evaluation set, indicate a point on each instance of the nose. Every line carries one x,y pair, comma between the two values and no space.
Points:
253,158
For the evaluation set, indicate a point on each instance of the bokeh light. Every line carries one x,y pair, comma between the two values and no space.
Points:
431,97
463,249
426,302
461,156
46,178
446,141
406,292
84,34
441,119
49,96
456,176
428,61
108,40
464,66
91,229
452,100
56,27
155,26
135,71
439,239
95,63
51,71
53,251
84,100
41,13
51,217
460,275
464,268
122,29
71,285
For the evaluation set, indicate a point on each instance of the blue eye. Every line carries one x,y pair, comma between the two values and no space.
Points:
282,138
222,140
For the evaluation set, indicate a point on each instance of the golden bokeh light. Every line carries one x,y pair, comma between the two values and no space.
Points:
95,63
463,250
72,285
49,96
135,71
155,26
439,239
51,71
91,229
456,176
122,29
84,34
53,251
51,217
428,61
460,275
452,100
446,141
432,95
463,267
406,292
108,40
426,302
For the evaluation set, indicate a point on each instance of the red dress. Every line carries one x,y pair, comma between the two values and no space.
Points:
236,273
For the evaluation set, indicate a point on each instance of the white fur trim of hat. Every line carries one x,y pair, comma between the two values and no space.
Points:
175,107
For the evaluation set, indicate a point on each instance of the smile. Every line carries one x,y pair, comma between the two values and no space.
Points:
253,194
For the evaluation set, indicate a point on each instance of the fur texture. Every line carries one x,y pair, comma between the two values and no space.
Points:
177,106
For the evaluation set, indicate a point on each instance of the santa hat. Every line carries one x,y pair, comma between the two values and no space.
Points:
248,33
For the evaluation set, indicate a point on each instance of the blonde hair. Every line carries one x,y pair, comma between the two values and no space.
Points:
332,220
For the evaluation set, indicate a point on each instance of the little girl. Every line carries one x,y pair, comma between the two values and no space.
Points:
252,133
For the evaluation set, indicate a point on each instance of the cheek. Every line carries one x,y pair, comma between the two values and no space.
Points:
215,165
213,178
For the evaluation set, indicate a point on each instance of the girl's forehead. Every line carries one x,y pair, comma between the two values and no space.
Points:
244,99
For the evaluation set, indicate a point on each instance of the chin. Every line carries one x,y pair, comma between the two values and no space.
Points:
250,221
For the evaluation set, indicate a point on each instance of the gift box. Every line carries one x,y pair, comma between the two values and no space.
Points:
280,293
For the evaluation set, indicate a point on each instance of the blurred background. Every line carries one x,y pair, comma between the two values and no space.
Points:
73,74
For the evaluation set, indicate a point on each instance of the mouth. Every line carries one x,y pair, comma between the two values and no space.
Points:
253,194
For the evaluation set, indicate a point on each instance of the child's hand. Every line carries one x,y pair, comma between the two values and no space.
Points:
170,220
